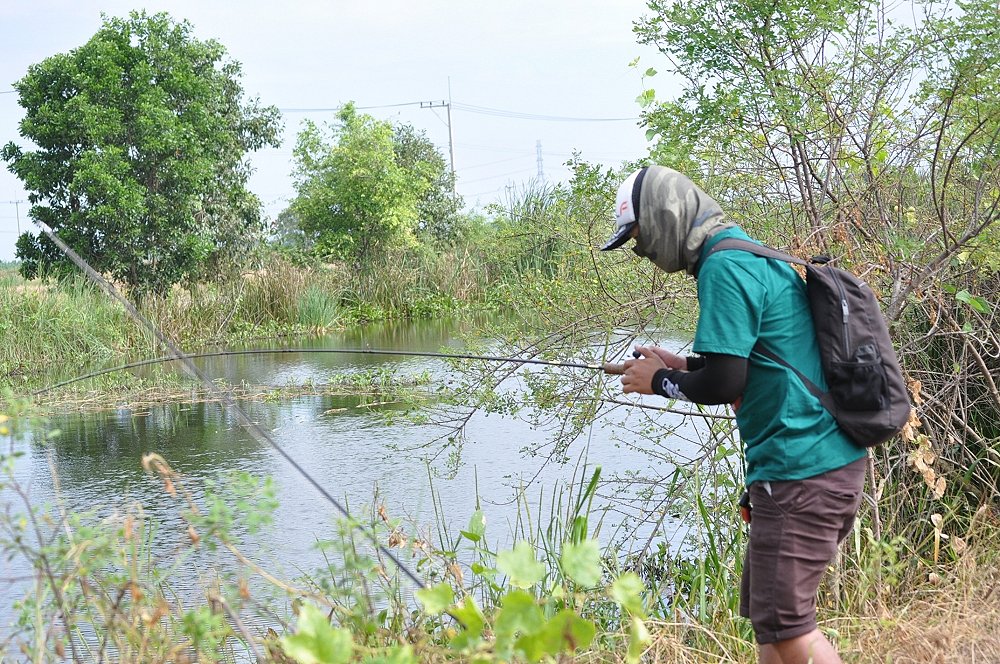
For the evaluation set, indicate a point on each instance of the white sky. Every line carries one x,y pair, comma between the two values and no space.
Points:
564,58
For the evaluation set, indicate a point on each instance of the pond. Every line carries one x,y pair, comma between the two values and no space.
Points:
353,452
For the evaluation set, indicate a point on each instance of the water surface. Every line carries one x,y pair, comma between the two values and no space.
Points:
95,461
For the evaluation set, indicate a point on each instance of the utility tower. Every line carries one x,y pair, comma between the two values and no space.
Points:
538,153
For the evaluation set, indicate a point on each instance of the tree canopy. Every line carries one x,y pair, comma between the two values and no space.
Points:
141,135
364,187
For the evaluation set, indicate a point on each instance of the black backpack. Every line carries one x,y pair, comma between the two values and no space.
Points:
867,392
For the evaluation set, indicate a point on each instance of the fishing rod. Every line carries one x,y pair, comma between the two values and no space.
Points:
609,368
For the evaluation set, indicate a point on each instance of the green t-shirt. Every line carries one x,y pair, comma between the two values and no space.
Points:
744,299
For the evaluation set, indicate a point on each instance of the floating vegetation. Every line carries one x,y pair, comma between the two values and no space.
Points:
372,388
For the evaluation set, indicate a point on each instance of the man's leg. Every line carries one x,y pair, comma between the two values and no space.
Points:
794,534
768,654
811,648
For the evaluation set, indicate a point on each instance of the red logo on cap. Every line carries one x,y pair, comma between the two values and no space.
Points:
622,208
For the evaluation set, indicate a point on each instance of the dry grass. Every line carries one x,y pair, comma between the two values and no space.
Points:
954,620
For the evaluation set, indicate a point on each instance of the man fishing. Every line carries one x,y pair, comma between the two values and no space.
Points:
803,474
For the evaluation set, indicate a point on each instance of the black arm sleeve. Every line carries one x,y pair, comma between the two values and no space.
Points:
720,380
695,362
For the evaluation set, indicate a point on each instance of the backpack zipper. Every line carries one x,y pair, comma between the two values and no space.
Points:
845,314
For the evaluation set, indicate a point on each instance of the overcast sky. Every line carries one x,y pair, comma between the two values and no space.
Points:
555,58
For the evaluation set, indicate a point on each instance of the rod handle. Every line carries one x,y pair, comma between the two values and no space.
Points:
613,369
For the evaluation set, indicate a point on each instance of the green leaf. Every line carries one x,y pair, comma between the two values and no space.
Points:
974,301
627,591
650,72
482,570
519,613
315,641
638,637
582,562
477,527
472,620
565,632
436,599
520,565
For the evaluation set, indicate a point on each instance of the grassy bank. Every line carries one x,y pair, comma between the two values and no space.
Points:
54,329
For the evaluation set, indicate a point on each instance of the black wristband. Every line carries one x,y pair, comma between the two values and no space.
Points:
662,376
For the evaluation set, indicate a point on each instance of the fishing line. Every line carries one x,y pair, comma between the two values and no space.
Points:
607,367
255,431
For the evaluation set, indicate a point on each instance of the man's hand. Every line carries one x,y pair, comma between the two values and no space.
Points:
638,376
670,360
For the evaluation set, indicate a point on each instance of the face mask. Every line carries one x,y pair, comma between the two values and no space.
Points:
675,219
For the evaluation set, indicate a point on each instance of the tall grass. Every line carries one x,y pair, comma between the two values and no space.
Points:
50,328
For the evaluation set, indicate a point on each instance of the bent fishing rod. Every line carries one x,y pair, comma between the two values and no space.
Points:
609,368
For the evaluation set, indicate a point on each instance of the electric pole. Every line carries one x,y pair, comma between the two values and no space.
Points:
17,213
451,136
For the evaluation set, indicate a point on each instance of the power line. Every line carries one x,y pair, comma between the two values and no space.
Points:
516,115
494,177
470,108
337,108
489,163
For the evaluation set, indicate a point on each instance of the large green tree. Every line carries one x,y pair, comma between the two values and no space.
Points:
141,138
868,130
365,187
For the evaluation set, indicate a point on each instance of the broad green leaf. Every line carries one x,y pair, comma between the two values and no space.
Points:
532,646
477,527
519,613
435,599
646,98
582,562
974,301
472,620
315,641
482,570
650,72
565,632
520,565
627,591
638,637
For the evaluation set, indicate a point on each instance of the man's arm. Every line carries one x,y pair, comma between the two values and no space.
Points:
710,379
721,379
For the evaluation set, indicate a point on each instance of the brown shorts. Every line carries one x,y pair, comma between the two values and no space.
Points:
794,533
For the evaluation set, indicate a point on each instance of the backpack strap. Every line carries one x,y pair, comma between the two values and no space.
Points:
767,252
754,248
824,397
